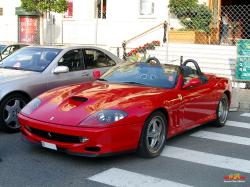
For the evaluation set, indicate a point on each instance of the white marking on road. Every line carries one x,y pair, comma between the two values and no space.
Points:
207,159
222,137
122,178
238,124
245,115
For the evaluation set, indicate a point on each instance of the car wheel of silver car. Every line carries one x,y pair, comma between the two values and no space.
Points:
153,135
9,108
222,111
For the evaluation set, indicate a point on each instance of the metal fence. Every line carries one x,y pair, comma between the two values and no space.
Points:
201,26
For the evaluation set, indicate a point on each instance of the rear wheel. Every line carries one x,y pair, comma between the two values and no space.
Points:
9,108
222,111
153,135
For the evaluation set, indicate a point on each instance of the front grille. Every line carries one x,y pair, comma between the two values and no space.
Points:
55,136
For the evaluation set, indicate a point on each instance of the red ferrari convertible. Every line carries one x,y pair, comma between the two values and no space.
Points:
132,107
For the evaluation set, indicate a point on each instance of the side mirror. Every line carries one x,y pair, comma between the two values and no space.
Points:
61,69
96,74
192,83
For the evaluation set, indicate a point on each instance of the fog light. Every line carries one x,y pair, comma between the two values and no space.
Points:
83,139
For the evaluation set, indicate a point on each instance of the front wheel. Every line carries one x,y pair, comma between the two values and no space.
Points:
222,111
9,108
153,135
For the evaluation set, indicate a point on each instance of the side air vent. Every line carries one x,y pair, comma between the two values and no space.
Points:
80,99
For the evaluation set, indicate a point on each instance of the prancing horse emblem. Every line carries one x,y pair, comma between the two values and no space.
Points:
51,118
49,134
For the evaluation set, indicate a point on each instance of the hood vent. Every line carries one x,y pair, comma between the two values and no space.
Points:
79,99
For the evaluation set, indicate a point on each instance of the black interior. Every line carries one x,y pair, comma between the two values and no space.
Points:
190,73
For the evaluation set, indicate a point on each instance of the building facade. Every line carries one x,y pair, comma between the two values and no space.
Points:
102,22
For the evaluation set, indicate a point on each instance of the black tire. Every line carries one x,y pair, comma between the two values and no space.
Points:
222,111
9,108
144,149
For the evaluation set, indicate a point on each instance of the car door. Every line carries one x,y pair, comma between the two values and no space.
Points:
198,102
95,59
73,59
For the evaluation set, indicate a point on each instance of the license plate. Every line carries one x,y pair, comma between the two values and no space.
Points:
49,145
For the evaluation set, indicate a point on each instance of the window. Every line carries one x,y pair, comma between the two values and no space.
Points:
101,9
97,59
147,7
73,60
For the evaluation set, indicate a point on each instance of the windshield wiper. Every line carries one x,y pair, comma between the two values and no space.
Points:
133,83
9,67
15,68
101,79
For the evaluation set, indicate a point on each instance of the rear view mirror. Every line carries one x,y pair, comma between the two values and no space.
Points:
61,69
96,74
192,83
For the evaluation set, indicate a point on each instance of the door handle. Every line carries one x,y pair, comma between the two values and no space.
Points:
85,74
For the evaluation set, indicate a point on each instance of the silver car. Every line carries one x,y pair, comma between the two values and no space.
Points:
32,70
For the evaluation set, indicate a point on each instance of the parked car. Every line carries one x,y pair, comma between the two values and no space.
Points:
35,69
2,46
6,50
132,107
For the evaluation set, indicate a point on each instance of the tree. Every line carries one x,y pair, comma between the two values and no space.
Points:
43,6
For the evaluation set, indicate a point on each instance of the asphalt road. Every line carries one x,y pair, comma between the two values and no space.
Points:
201,157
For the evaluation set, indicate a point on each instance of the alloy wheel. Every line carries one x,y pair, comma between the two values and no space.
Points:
11,109
155,136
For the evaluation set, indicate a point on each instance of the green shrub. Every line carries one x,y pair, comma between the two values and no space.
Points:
193,16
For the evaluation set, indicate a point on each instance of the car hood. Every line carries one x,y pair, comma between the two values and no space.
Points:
71,105
7,75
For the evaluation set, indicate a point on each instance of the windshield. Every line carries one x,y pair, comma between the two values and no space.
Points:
30,59
163,76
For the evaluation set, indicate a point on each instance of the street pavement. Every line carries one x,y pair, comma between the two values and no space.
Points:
204,156
244,99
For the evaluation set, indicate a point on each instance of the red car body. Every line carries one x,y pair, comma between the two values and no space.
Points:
58,121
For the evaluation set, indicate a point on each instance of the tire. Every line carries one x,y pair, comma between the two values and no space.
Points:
222,111
9,108
153,136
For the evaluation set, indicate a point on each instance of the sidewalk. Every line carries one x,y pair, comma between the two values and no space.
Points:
240,100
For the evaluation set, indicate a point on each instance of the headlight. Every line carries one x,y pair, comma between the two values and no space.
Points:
31,106
104,117
110,116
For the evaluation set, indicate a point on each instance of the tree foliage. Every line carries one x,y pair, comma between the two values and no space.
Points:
42,6
193,16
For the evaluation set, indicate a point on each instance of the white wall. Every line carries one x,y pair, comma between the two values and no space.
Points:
216,59
8,22
123,22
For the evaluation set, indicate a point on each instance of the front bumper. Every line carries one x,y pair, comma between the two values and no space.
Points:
101,141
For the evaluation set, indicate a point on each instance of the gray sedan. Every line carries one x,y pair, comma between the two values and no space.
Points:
32,70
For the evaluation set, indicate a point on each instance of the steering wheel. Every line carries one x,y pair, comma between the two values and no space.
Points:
195,64
153,60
